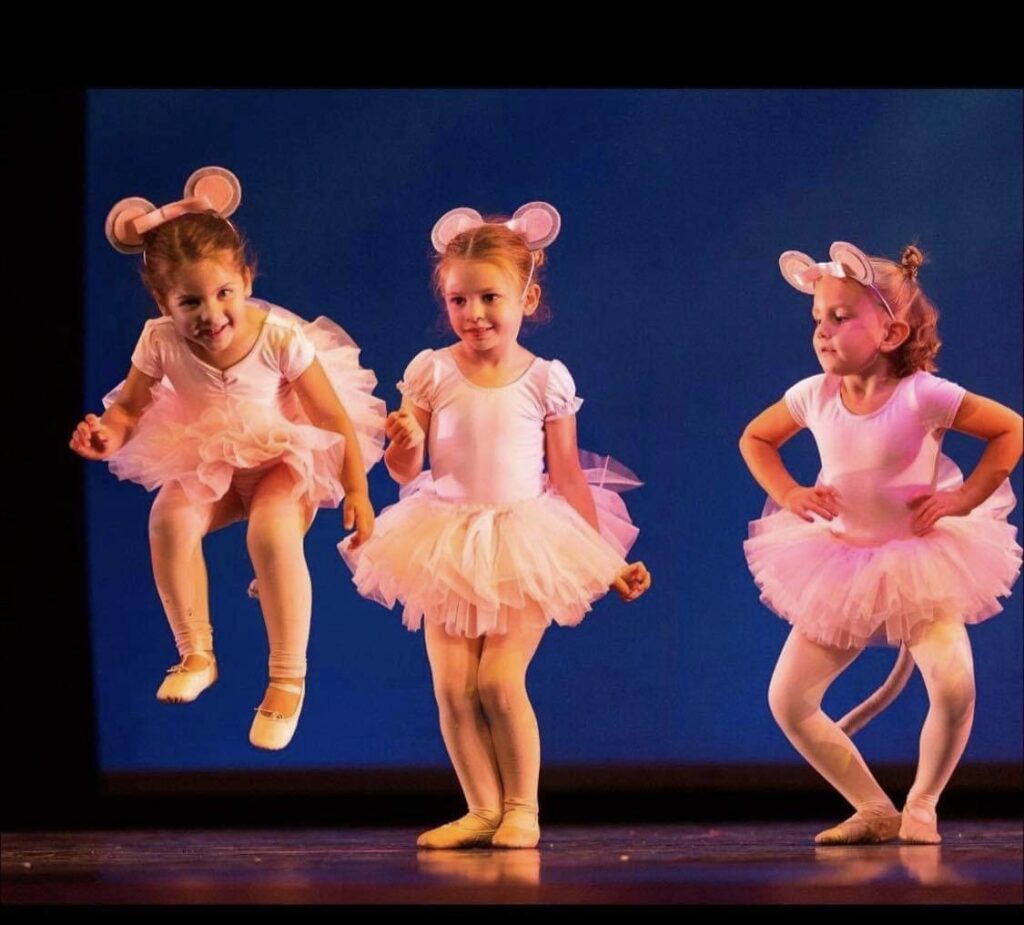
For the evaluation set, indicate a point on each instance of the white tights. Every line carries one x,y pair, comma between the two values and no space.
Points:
277,525
806,669
487,722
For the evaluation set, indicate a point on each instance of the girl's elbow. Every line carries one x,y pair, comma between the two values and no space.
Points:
751,440
1012,433
1018,436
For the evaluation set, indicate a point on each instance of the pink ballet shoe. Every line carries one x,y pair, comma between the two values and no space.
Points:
861,830
272,730
920,826
474,830
183,685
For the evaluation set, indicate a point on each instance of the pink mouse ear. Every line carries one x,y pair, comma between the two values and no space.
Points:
452,223
120,224
218,185
854,259
795,267
538,222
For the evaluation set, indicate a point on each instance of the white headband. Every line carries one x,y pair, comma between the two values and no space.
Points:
538,223
848,262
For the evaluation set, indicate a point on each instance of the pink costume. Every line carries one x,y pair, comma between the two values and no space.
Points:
481,539
864,577
210,430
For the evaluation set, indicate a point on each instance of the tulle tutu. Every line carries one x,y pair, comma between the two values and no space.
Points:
479,568
841,594
202,453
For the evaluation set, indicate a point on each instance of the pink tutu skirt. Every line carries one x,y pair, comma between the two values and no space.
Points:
481,568
848,595
203,452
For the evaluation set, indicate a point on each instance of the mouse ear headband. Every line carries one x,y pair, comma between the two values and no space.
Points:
209,189
848,261
538,223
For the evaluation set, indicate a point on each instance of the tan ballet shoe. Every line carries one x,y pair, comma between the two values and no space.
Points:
272,730
183,685
861,830
920,825
520,828
474,830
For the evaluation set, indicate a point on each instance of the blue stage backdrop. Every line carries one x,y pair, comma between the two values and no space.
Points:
670,312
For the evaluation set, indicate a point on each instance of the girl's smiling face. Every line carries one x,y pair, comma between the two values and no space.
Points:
206,301
486,305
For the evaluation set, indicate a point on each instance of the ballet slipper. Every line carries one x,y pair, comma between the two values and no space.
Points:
272,730
861,829
920,825
183,685
520,827
474,830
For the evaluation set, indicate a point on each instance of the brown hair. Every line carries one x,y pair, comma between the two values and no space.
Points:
189,239
496,244
898,283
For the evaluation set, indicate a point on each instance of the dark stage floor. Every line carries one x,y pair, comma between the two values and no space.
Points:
979,862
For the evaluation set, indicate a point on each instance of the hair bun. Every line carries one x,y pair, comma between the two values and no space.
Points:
911,259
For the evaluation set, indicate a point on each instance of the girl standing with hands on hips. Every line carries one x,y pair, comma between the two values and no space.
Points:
891,545
485,549
235,409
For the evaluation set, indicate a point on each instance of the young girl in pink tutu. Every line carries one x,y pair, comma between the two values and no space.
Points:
891,545
486,548
236,410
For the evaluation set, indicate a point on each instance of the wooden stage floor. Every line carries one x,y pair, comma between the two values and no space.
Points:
978,863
